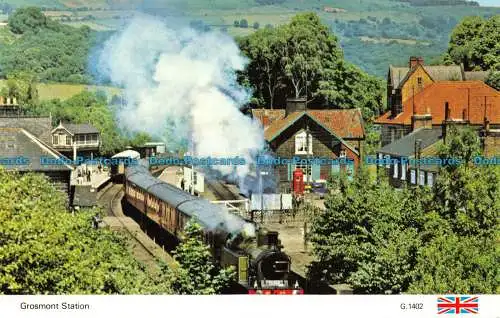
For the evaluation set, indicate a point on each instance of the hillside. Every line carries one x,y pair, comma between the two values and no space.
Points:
373,33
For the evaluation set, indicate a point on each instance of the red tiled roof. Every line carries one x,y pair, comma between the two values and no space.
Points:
461,96
345,123
268,116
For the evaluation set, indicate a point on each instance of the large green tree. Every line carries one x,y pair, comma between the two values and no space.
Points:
44,249
49,49
303,58
475,42
417,240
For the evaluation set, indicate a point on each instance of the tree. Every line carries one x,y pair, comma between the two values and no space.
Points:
27,19
197,274
46,250
243,23
416,240
463,38
486,51
475,43
23,86
256,25
86,107
493,79
303,58
236,23
368,236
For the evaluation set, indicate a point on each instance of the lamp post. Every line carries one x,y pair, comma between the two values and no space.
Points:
418,147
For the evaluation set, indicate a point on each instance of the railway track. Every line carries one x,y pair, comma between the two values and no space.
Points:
143,249
220,190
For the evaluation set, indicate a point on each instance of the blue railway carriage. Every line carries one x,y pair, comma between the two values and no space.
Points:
262,267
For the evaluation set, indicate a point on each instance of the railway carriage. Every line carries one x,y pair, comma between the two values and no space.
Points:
261,265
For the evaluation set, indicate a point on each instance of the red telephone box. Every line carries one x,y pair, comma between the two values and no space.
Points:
298,182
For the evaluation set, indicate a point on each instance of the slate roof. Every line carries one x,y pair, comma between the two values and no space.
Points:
433,98
76,129
398,75
17,142
405,147
476,76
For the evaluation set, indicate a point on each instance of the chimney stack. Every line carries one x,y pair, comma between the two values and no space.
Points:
414,61
295,105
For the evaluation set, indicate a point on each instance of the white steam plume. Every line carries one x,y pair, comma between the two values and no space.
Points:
177,82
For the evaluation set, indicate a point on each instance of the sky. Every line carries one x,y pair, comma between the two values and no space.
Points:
495,3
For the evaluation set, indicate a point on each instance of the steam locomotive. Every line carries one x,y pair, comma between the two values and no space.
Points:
262,267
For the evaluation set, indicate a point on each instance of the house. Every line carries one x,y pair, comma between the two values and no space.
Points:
76,139
398,158
22,151
468,100
426,118
299,132
405,82
12,115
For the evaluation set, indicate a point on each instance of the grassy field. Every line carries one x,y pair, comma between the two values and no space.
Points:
65,91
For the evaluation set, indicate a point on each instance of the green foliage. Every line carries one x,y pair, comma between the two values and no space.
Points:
86,107
475,42
417,240
44,249
30,19
22,85
303,58
50,50
197,274
460,265
493,79
243,23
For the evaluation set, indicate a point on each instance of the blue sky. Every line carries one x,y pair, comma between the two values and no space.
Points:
489,2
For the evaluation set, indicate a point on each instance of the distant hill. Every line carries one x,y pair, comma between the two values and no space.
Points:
373,33
441,2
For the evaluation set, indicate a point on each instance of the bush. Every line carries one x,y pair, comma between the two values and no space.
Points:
243,23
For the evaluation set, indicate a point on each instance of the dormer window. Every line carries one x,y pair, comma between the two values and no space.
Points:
302,144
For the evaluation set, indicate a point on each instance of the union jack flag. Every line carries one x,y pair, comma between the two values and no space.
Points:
458,305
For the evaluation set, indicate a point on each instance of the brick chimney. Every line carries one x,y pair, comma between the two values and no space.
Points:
295,105
423,120
415,60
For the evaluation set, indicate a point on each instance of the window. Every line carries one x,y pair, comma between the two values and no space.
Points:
430,179
68,140
413,177
195,177
419,81
403,171
395,175
55,139
421,178
343,154
388,163
302,144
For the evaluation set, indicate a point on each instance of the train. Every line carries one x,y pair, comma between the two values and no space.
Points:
121,161
261,265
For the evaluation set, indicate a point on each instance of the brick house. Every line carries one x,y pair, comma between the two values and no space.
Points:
427,116
300,132
405,82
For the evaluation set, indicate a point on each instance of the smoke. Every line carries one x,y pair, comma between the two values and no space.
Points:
180,85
